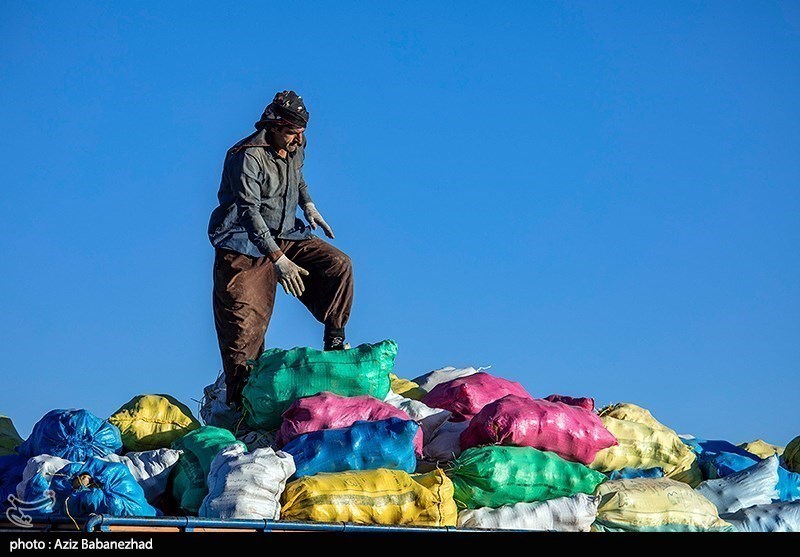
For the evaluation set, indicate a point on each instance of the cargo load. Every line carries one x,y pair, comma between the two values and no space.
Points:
279,377
331,411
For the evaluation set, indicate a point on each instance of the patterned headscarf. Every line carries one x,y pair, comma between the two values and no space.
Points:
286,109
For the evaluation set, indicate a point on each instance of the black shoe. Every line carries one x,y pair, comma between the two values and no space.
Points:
335,343
333,338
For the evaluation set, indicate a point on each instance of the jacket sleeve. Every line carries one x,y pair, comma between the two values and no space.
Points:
247,195
303,196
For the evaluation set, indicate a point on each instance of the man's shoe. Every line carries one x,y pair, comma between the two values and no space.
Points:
335,343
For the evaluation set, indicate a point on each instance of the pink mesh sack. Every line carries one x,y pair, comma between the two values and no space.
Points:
327,410
465,396
571,432
583,402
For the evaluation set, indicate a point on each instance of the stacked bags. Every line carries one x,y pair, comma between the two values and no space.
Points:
752,493
64,454
365,445
96,466
517,461
279,377
189,479
331,415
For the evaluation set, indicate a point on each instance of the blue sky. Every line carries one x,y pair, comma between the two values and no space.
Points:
594,198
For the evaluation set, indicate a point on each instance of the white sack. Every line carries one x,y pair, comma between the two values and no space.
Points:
151,469
446,443
775,517
563,514
247,484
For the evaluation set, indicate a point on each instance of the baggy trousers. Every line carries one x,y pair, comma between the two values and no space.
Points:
244,297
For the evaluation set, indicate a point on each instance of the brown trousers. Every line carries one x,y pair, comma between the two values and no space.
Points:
244,297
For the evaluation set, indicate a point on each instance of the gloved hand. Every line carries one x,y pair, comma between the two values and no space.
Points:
314,218
288,274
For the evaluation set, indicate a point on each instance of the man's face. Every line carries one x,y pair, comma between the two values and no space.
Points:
287,138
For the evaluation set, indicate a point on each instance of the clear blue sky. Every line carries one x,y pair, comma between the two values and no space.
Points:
595,198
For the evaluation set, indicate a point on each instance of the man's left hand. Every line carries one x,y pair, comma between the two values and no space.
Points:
315,219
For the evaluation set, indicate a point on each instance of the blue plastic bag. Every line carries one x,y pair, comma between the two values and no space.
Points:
630,473
718,459
99,487
75,435
365,445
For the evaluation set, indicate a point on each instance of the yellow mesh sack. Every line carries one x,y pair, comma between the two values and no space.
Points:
406,388
149,422
642,446
380,496
9,437
661,504
632,413
791,455
762,449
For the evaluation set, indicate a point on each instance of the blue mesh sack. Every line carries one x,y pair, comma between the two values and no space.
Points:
75,435
365,445
100,487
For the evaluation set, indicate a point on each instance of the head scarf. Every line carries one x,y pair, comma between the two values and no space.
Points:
286,109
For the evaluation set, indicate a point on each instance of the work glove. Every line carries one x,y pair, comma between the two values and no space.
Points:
289,275
314,218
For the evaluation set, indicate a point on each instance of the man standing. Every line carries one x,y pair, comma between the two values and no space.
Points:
259,242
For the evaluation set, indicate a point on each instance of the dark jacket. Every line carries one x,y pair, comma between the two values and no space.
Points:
258,198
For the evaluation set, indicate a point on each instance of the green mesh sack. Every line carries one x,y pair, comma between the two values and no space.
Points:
9,438
189,485
495,475
279,377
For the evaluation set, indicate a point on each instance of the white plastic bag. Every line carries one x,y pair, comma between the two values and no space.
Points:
214,410
428,418
429,380
151,469
43,465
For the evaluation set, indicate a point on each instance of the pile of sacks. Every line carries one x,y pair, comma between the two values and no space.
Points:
339,437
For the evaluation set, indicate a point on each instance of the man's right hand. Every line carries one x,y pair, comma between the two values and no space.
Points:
289,275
